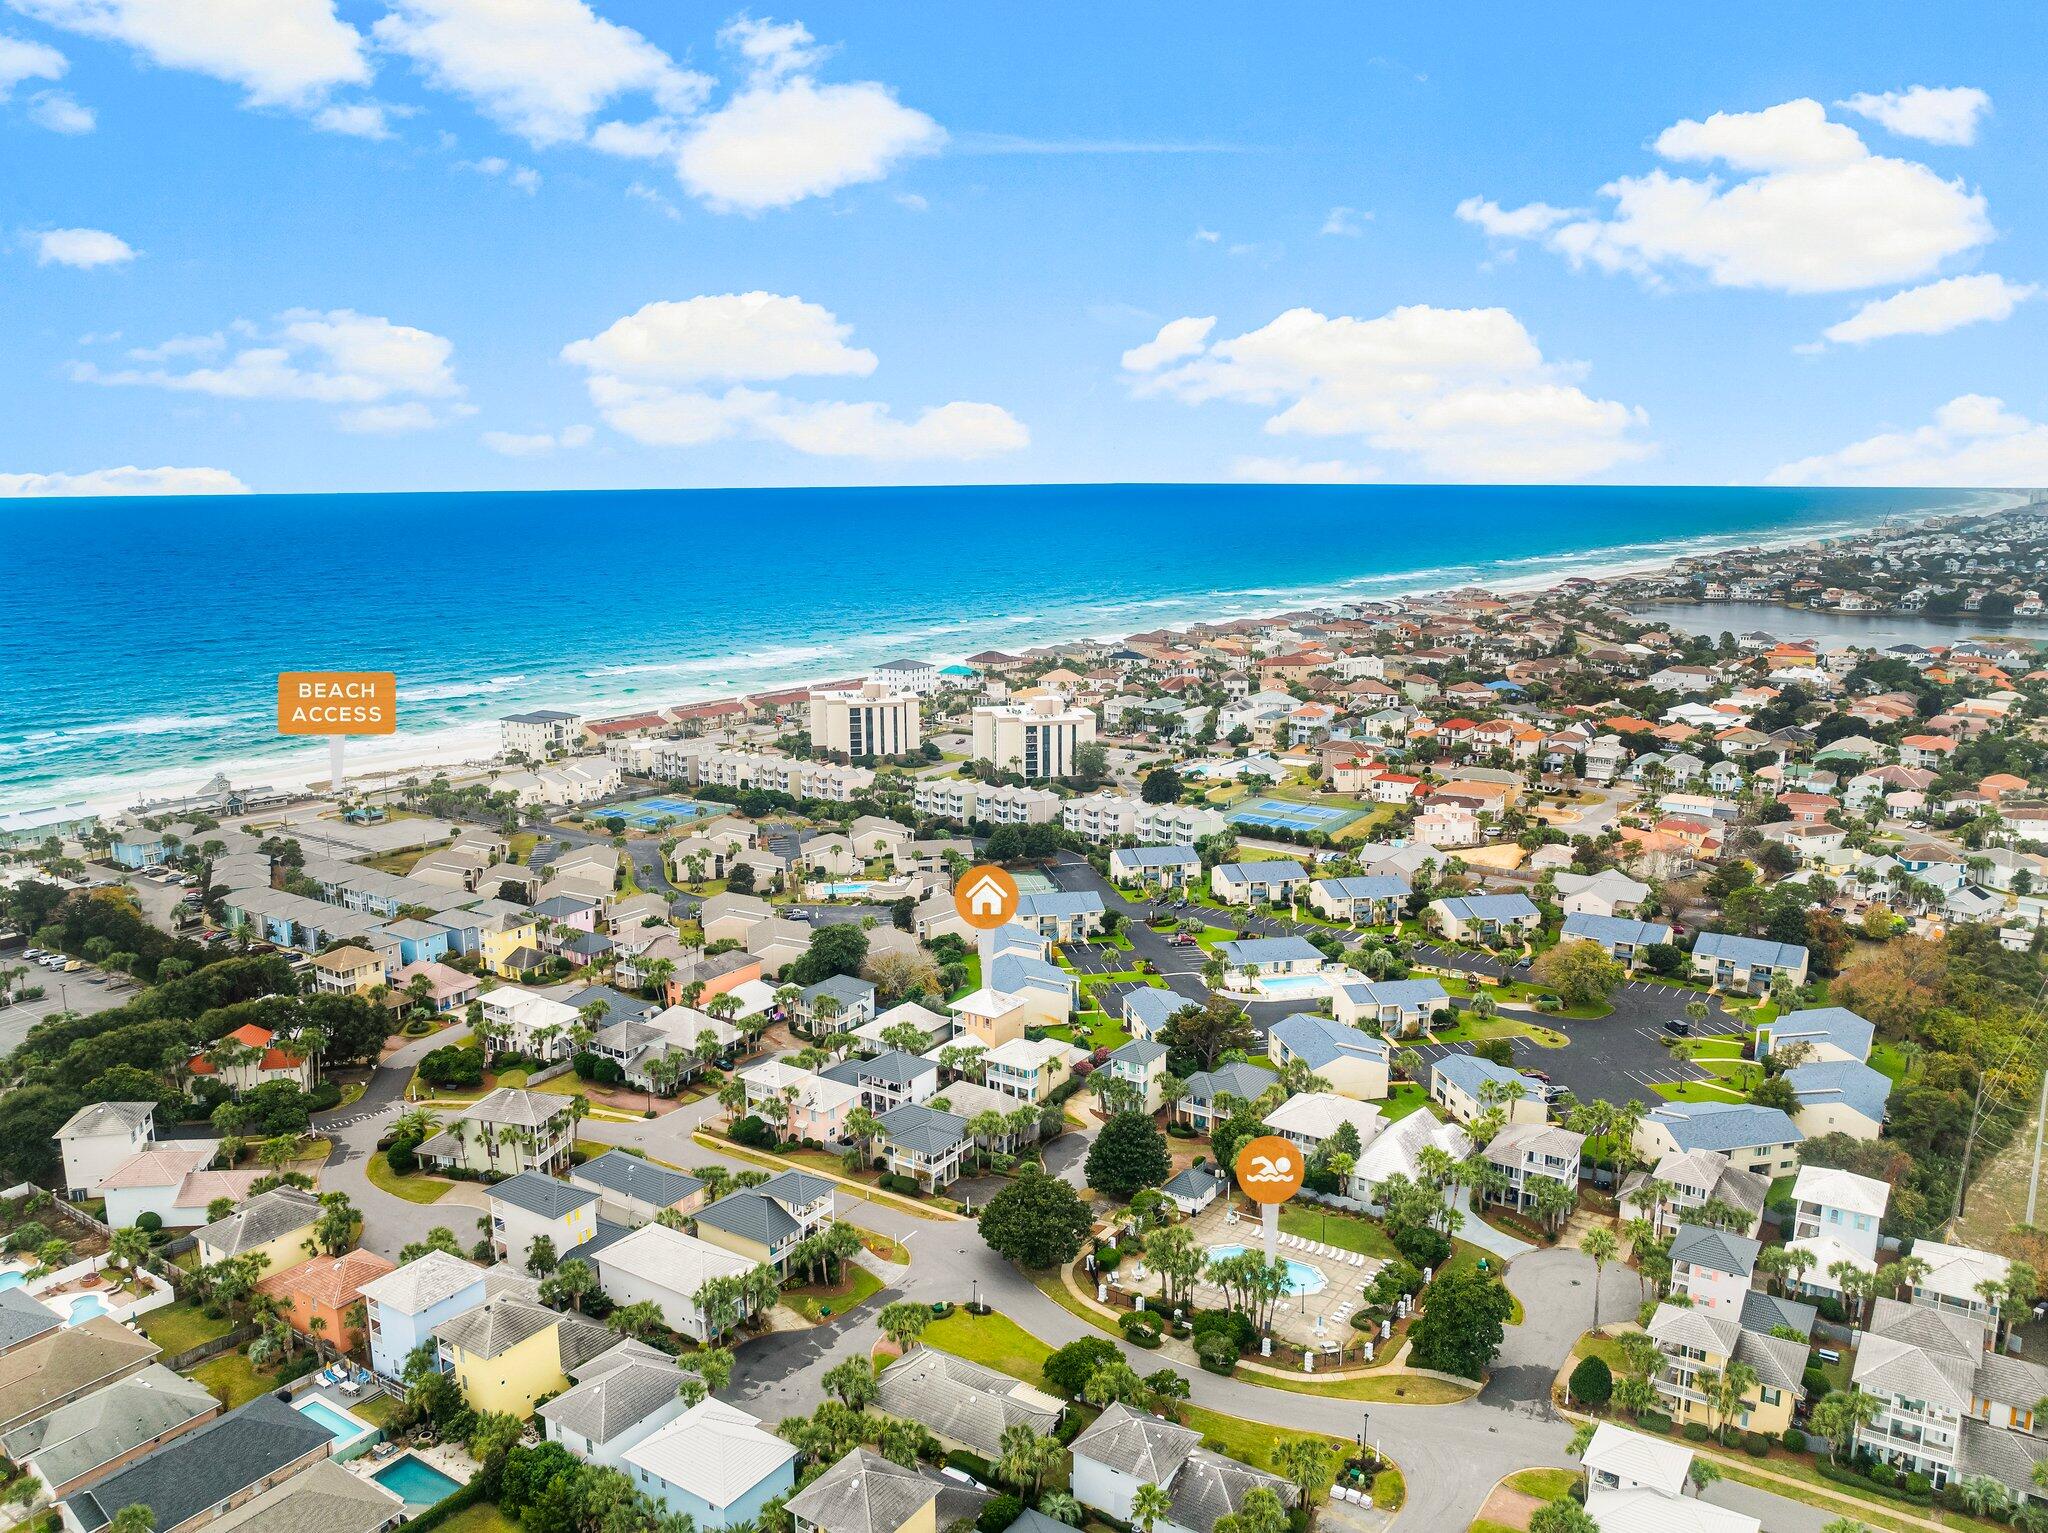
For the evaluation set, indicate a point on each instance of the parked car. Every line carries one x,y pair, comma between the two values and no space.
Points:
1680,1027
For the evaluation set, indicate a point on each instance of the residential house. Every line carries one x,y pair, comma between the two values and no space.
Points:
1837,1219
99,1137
1397,1151
1533,1152
1148,1010
670,1269
762,1223
1696,1342
614,1402
1609,892
195,1477
990,1017
1211,1093
888,1079
1308,1118
1953,1407
1141,1066
1123,1450
1028,1069
1956,1277
633,1190
1763,1140
108,1429
1694,1179
507,1131
403,1306
1713,1267
530,1207
1466,1087
1354,1063
60,1366
510,1351
866,1493
1365,900
1620,937
924,1143
1476,917
1746,965
962,1403
1397,1008
316,1297
716,1465
836,1004
1257,883
275,1225
251,1056
1839,1097
802,1105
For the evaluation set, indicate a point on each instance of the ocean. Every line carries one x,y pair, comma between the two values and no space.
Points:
140,639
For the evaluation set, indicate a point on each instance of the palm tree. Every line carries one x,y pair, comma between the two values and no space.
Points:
1149,1503
1061,1506
1601,1246
132,1519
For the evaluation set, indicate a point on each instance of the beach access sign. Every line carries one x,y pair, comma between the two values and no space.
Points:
1270,1169
337,703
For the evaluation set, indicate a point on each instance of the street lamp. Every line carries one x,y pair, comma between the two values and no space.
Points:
1364,1430
974,1301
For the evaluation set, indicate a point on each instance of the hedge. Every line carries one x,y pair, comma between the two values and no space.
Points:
458,1500
1842,1475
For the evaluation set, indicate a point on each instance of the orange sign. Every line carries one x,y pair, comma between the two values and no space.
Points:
1269,1169
986,897
337,703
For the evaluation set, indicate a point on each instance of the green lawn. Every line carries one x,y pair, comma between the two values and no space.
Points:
816,1304
484,1517
1887,1061
1344,1231
376,1409
181,1326
233,1379
1543,1484
1250,1442
416,1188
1696,1091
1463,1255
994,1341
1402,1099
1607,1348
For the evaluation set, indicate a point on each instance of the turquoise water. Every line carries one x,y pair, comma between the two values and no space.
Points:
848,889
1302,1277
147,665
340,1425
1294,986
13,1278
414,1479
84,1308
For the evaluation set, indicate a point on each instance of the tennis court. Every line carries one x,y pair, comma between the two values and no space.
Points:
1279,814
647,813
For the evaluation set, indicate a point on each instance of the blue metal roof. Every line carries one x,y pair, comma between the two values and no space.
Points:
1856,1086
1491,907
1836,1025
1372,886
1270,950
1610,930
1157,856
1276,870
1750,951
1060,903
1725,1125
1469,1073
1318,1041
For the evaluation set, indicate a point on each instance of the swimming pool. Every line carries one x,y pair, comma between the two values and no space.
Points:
84,1307
341,1426
13,1277
847,889
1289,987
1302,1277
415,1481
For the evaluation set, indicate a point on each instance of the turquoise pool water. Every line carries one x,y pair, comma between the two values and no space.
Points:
847,889
12,1278
414,1479
84,1308
1287,987
340,1425
1302,1278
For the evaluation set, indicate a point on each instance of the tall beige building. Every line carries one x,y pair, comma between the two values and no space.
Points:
1036,737
870,720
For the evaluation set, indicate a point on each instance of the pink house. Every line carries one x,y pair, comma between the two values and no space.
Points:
815,1107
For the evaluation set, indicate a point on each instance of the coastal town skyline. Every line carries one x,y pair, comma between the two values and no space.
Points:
381,247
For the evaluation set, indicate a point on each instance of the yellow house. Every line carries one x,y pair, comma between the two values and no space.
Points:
508,1352
276,1225
866,1493
504,938
348,971
992,1018
1698,1348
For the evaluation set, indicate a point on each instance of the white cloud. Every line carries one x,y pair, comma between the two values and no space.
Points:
125,481
80,248
22,60
1973,441
653,139
1813,210
913,201
733,336
646,373
359,119
640,191
1177,338
281,52
514,444
773,48
180,346
1346,222
61,112
524,177
1297,471
785,138
1934,308
383,375
1521,223
538,68
1934,114
1462,393
1205,237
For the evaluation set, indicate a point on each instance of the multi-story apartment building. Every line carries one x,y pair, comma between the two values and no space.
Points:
1037,737
869,720
540,734
1529,1152
782,774
959,798
1952,1409
1698,1347
1112,816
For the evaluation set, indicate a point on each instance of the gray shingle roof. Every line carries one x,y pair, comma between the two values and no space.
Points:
107,1423
865,1493
751,1216
261,1220
922,1130
22,1318
632,1177
321,1498
599,1409
963,1401
1144,1446
541,1195
205,1466
1717,1250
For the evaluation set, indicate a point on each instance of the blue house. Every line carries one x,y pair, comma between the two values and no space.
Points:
404,1306
1746,964
1618,936
714,1464
139,849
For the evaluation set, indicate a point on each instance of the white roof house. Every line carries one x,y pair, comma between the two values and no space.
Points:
713,1451
1648,1511
1834,1188
1953,1273
1310,1117
1618,1459
991,1004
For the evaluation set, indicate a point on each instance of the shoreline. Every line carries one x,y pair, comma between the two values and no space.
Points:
473,744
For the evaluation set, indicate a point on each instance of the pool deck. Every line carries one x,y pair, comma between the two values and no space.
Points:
447,1458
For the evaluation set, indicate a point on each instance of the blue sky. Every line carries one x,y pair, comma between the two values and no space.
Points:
296,245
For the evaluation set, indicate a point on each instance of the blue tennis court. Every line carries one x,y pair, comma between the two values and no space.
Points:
647,813
1279,814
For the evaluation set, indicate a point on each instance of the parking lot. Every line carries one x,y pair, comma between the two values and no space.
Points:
85,991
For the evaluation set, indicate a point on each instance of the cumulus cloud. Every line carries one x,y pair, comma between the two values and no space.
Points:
782,140
1973,441
1934,114
359,119
1258,470
1348,223
84,249
656,375
125,481
61,112
524,177
382,377
1810,210
288,53
1460,393
514,444
23,60
1934,308
1177,338
538,68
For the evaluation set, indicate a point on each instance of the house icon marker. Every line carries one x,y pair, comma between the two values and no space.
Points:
986,897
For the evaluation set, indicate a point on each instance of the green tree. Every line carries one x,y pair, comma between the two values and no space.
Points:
1149,1503
1037,1221
903,1322
1580,972
1463,1322
1128,1154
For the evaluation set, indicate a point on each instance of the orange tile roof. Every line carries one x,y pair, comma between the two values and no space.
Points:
332,1282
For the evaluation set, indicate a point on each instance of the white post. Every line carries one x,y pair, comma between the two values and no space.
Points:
334,764
1269,1217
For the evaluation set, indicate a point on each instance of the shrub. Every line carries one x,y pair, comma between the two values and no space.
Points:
1755,1444
1216,1352
1792,1440
1919,1485
1140,1328
453,1066
1108,1258
324,1095
750,1130
1816,1384
1228,1323
999,1513
418,1027
149,1221
1654,1421
1421,1246
1592,1382
970,1463
1067,1371
906,1186
1831,1309
400,1156
1696,1433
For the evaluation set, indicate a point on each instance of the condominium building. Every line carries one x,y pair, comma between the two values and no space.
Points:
1111,816
540,734
870,720
958,798
1037,737
782,774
